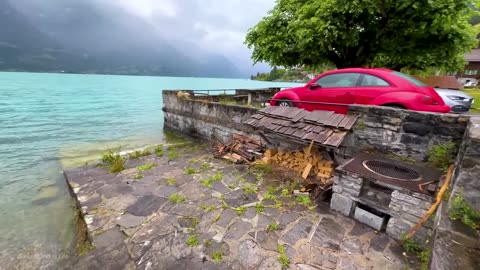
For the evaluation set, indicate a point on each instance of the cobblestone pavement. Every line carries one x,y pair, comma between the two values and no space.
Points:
221,216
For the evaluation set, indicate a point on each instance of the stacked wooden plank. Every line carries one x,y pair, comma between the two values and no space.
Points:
321,167
240,149
323,127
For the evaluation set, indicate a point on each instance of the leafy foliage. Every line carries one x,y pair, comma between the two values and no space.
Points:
145,167
441,155
217,256
139,154
462,211
283,258
192,241
176,198
159,150
349,33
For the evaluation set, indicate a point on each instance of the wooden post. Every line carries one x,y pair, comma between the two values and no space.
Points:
249,100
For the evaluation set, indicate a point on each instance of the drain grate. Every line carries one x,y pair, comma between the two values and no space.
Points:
391,170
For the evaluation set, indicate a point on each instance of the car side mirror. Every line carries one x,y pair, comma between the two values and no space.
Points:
314,86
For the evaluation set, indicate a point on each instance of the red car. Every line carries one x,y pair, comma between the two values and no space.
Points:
335,89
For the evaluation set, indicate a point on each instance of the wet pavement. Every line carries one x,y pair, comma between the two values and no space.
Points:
196,212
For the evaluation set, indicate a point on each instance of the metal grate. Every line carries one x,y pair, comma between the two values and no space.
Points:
391,170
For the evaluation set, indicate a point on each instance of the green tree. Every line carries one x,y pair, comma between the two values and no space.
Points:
413,34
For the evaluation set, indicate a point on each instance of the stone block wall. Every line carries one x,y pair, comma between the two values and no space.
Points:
206,120
456,245
404,133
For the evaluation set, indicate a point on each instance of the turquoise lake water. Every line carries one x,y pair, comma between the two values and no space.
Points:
52,121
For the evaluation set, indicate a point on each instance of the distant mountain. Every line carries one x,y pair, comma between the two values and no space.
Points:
79,37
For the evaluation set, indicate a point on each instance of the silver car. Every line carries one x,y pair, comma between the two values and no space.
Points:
458,101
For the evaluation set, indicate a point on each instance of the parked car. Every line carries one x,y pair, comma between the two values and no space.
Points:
459,101
336,89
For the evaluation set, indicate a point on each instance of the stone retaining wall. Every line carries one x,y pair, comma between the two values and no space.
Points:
404,133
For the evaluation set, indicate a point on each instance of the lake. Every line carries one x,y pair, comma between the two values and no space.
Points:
52,121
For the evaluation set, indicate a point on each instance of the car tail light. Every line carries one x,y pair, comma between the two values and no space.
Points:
429,100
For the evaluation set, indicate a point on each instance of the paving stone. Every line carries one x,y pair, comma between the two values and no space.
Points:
306,267
304,252
288,217
268,202
323,259
226,217
90,187
187,210
270,263
248,254
91,202
250,213
299,231
187,222
165,191
290,252
360,229
195,191
184,179
263,222
328,234
237,230
115,190
110,238
266,240
146,205
347,264
119,205
128,220
352,246
238,198
220,187
141,189
379,242
217,247
272,212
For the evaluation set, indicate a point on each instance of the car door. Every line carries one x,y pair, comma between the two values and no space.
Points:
330,90
370,87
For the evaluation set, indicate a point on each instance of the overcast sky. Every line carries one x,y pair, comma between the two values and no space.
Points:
216,25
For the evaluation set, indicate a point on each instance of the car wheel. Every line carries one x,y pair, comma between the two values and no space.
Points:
285,103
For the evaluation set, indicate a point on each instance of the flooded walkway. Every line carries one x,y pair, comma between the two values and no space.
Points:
190,211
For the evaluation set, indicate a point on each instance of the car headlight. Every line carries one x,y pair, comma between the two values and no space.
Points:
456,98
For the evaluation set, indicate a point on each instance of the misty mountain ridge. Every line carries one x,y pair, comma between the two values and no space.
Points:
80,37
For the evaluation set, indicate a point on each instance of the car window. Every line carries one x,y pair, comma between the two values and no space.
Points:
339,80
370,80
409,78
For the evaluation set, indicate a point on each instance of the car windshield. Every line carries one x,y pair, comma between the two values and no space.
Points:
409,78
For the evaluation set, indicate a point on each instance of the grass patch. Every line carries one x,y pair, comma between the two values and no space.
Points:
240,210
172,153
208,182
216,218
191,171
231,186
285,193
422,253
138,154
138,176
475,93
109,157
205,166
305,201
114,161
158,150
272,227
259,208
283,258
145,167
192,241
441,155
207,243
171,181
117,166
217,256
176,198
249,188
462,211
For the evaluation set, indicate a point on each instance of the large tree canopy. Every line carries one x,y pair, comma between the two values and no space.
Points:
413,34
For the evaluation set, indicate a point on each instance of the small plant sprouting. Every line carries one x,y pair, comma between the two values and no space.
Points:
217,218
171,181
259,208
192,241
361,125
240,210
414,247
441,155
249,188
283,258
138,154
191,171
231,186
159,150
114,160
208,182
117,166
145,167
109,157
205,166
263,168
176,198
304,200
192,161
285,193
462,211
210,208
272,227
207,243
138,176
172,153
217,256
224,205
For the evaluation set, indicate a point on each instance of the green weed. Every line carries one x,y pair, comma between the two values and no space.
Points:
207,243
171,181
462,211
208,182
145,167
159,150
176,198
138,176
117,166
285,193
109,157
441,155
217,256
205,166
217,218
192,241
138,154
249,188
191,171
172,153
240,210
259,208
283,258
231,186
272,227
